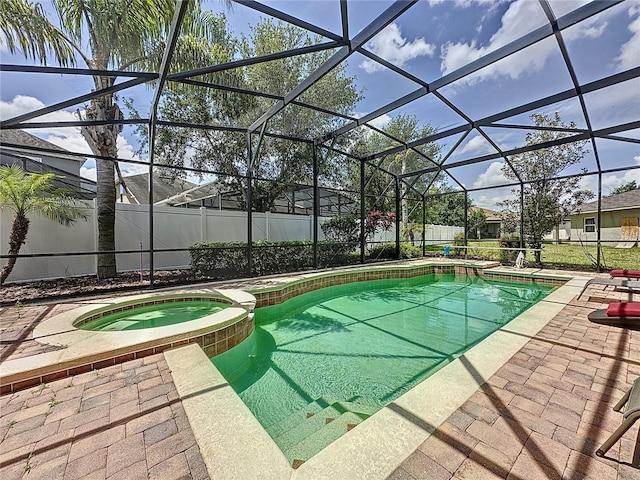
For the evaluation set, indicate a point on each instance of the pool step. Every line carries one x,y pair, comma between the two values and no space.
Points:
298,435
311,444
290,421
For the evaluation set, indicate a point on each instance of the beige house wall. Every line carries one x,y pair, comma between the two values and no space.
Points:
610,225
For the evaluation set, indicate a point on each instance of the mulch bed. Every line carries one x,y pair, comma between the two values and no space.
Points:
73,287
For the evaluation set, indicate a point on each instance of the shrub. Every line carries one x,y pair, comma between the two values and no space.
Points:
508,256
229,259
388,251
458,240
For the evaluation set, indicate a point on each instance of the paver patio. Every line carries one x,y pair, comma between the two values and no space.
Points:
541,416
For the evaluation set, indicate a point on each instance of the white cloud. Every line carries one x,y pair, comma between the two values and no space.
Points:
489,198
393,47
381,121
630,52
68,138
467,3
88,172
609,182
491,176
522,16
477,145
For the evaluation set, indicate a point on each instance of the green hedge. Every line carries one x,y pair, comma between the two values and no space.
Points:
229,259
388,251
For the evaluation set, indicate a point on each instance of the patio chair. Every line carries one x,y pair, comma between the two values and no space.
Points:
631,286
618,314
631,414
626,273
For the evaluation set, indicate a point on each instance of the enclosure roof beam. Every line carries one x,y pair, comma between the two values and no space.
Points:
344,19
76,71
69,103
272,12
392,67
444,100
559,97
223,128
386,18
172,40
254,60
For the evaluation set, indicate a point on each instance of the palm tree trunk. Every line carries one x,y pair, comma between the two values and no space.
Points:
102,140
19,230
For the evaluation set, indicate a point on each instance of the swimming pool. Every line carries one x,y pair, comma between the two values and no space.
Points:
321,363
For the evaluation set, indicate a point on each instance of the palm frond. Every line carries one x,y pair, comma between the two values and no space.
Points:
26,28
24,193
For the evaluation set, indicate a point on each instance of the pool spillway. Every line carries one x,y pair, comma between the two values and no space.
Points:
321,363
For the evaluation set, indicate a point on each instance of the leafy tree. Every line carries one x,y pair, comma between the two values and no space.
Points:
476,221
447,206
627,187
116,35
25,193
281,163
403,128
547,200
341,229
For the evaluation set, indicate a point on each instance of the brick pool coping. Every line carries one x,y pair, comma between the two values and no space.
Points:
304,283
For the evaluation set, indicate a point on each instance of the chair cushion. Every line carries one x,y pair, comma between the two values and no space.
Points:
625,273
623,309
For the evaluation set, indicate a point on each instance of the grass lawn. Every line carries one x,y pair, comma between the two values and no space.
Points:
569,256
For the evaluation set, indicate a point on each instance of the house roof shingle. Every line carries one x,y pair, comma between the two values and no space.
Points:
20,137
621,201
162,187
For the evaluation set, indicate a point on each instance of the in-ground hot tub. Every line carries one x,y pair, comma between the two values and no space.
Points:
220,320
152,313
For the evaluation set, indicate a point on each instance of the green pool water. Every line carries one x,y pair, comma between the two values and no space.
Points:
321,363
152,316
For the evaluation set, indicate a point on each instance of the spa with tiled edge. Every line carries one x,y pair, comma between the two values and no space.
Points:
84,350
378,445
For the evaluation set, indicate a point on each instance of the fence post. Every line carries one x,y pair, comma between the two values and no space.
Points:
95,226
203,224
267,223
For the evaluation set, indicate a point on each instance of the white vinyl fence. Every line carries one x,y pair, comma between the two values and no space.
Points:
174,228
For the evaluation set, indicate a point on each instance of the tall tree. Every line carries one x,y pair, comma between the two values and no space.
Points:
25,193
280,162
476,221
547,200
107,34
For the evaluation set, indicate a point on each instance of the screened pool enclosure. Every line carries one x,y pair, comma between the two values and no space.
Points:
283,136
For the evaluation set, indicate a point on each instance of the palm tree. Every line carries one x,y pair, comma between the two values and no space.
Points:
119,35
26,193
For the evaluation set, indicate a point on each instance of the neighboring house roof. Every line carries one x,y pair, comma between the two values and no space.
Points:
621,201
20,137
163,187
491,215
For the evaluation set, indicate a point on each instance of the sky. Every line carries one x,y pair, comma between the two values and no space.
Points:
432,39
